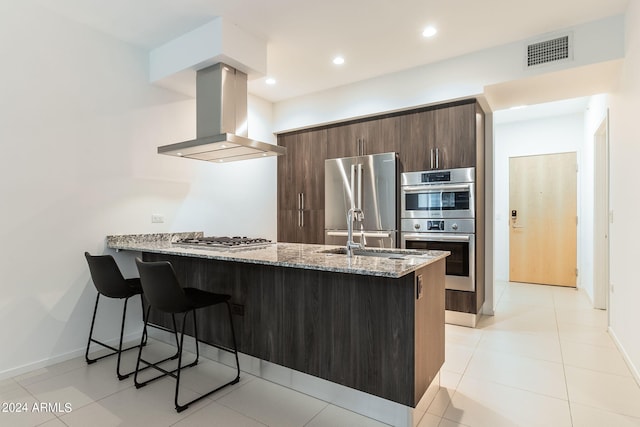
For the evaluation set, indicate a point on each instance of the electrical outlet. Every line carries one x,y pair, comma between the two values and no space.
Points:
157,218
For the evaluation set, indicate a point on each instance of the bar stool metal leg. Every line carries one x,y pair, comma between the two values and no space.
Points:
114,351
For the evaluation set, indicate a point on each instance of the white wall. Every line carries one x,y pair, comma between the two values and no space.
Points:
79,127
526,138
625,202
464,76
594,115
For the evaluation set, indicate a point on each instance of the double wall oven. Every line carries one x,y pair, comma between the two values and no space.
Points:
438,212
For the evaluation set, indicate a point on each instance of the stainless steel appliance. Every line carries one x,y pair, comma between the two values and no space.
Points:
221,120
438,194
438,212
454,235
368,183
223,242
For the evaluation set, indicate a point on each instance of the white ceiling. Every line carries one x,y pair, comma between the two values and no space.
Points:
376,37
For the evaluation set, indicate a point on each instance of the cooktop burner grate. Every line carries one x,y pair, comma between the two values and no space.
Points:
224,242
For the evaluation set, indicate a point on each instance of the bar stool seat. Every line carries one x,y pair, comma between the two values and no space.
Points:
164,293
109,282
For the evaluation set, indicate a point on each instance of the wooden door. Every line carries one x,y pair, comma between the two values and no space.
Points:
542,204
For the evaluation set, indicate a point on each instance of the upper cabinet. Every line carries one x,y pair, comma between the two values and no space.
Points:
440,138
418,141
436,137
455,137
360,138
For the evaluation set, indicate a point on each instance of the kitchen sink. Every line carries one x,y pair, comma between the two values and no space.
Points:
375,252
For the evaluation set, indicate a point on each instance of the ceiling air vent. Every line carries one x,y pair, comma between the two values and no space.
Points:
546,51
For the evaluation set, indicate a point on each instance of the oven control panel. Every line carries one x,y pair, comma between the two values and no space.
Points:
421,225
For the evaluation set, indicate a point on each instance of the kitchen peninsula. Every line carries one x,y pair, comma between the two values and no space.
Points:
373,322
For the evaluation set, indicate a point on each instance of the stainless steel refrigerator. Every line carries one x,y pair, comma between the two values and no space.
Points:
365,182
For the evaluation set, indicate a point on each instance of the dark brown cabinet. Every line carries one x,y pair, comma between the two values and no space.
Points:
301,187
373,136
434,137
455,137
418,141
439,138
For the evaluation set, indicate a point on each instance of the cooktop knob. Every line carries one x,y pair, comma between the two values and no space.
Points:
416,226
454,226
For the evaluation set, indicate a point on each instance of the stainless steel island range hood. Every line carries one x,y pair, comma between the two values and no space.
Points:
221,122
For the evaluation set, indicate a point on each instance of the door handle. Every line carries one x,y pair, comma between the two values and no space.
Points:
434,188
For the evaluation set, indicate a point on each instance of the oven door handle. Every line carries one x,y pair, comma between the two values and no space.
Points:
435,188
438,237
357,233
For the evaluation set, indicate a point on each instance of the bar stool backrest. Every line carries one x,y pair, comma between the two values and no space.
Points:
161,287
106,276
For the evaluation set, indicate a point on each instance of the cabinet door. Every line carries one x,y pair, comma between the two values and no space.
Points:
382,135
301,187
366,137
417,141
289,226
342,141
455,136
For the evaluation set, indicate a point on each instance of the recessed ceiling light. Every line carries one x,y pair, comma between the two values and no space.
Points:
270,81
430,31
338,60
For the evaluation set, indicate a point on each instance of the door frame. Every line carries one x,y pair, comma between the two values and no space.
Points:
578,254
601,249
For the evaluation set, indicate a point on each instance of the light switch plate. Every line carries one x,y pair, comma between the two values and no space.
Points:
157,218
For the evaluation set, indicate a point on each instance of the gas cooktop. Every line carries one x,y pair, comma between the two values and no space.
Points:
223,242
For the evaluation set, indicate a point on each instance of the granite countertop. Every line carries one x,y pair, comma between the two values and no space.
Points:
295,255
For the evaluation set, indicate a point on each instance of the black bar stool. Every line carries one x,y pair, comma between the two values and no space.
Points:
109,282
164,293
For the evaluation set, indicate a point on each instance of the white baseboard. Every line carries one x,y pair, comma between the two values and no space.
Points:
634,369
54,359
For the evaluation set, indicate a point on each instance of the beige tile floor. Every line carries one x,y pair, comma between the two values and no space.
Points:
544,359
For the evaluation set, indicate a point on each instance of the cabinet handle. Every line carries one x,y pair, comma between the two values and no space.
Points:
302,201
437,159
301,219
431,158
299,201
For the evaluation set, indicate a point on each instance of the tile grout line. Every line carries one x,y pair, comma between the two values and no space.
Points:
564,366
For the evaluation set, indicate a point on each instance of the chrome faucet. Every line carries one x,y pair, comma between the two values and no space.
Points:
353,214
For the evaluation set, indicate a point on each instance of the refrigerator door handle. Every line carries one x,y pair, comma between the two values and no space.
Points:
360,170
353,186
